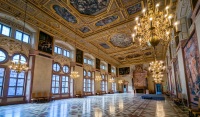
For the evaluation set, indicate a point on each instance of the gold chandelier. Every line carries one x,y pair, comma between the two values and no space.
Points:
74,75
19,66
120,81
111,80
98,78
153,26
156,66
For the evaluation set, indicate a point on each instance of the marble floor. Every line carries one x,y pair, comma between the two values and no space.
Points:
110,105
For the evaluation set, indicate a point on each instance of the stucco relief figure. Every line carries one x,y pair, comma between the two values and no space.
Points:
191,53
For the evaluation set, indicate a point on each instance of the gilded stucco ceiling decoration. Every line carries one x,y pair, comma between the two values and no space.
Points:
93,28
106,20
135,8
64,13
84,29
121,40
90,7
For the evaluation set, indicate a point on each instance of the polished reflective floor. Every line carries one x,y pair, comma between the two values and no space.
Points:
110,105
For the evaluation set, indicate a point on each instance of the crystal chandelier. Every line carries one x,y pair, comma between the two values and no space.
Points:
153,26
74,75
19,66
98,78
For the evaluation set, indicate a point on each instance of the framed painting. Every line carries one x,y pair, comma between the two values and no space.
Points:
124,70
79,56
192,65
97,63
45,43
109,68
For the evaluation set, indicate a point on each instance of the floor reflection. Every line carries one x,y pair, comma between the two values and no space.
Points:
93,106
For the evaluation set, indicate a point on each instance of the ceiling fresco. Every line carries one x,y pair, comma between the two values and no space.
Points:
106,20
134,9
65,14
89,7
104,25
84,29
121,40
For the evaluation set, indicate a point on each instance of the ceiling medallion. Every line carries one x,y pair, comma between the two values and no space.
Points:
65,14
121,40
90,7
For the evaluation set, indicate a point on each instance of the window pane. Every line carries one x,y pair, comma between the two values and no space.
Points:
89,62
0,91
1,82
55,49
56,67
59,50
2,72
18,35
20,82
66,90
53,90
56,90
65,69
26,38
84,73
2,56
12,82
0,26
11,91
89,74
6,30
21,75
21,57
13,74
57,84
85,60
68,54
19,91
53,83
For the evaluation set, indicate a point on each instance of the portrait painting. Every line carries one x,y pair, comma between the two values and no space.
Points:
97,63
134,9
192,64
79,56
109,68
45,43
124,71
177,79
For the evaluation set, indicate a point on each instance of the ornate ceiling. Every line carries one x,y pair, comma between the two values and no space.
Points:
98,24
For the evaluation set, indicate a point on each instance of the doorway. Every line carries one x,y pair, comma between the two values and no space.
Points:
158,89
125,88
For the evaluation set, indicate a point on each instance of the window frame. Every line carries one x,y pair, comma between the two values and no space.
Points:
22,38
68,69
3,80
1,29
7,56
59,66
58,47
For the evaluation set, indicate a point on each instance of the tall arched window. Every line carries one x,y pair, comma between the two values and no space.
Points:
88,81
60,79
17,80
103,83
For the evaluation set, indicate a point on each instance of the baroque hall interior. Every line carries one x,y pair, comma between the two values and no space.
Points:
96,58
